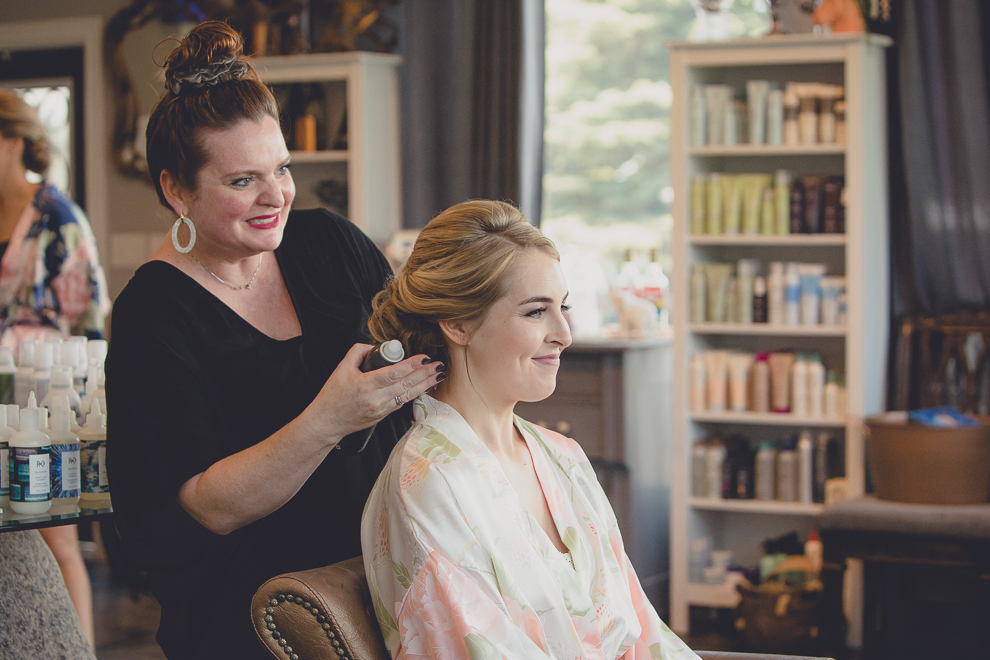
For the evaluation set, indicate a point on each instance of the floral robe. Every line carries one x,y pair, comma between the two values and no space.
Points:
459,568
51,282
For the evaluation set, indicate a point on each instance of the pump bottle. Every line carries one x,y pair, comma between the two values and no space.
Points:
30,465
384,355
93,441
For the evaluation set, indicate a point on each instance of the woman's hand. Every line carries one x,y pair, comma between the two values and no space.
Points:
352,400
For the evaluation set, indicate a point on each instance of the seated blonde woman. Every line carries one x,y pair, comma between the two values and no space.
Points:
485,536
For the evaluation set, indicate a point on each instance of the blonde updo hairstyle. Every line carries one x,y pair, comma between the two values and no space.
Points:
19,120
209,85
460,267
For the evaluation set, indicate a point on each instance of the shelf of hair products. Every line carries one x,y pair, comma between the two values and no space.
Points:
59,466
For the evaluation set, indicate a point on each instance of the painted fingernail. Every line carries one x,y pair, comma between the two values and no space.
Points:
441,368
441,376
427,360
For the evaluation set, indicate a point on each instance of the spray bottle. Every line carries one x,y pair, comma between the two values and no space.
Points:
66,480
383,355
7,373
30,464
93,441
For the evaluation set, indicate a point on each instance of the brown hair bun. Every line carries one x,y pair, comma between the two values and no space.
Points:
19,120
212,53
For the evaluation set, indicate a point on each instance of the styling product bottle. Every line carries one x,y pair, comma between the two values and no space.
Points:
739,365
384,355
808,115
66,460
746,271
756,103
822,468
732,301
816,386
775,117
813,550
80,363
56,350
766,461
8,370
5,434
792,295
787,472
759,300
699,378
839,108
780,381
14,414
715,209
806,463
831,395
699,192
782,201
86,400
699,293
42,377
61,385
93,442
699,116
799,386
30,466
776,309
768,213
95,391
96,350
811,292
25,372
761,384
699,469
717,363
797,207
792,107
826,115
715,463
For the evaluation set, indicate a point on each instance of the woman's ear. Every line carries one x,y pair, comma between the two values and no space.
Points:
175,194
457,332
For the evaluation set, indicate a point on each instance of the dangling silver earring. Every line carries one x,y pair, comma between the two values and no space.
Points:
175,234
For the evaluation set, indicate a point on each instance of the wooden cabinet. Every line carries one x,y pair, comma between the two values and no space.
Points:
613,397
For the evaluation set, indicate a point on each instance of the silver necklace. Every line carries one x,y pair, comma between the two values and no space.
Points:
226,283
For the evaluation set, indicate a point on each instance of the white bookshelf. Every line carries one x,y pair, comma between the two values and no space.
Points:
365,87
858,349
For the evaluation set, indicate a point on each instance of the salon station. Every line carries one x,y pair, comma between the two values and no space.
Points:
756,372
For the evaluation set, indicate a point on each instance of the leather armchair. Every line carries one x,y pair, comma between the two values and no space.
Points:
326,614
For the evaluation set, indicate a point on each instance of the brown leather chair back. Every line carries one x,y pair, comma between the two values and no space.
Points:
322,614
326,614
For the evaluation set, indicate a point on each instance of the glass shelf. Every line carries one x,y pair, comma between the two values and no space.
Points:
16,522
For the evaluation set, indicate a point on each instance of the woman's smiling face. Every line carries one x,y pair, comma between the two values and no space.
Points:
514,350
244,191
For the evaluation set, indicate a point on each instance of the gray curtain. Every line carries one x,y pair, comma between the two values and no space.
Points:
462,103
941,231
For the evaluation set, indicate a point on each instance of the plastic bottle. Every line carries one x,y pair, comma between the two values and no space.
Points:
806,448
699,382
746,272
699,293
96,352
782,202
42,377
792,295
61,385
93,441
74,355
699,469
656,287
25,372
813,550
8,371
14,414
30,466
384,355
95,390
66,459
816,386
56,345
766,459
832,396
5,434
715,460
776,313
787,472
761,383
760,300
799,386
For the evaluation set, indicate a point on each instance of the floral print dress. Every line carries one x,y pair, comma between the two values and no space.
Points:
51,282
459,568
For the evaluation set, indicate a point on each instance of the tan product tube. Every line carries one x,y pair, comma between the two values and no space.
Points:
780,381
718,290
717,363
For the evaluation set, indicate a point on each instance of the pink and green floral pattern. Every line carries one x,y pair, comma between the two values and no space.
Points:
459,568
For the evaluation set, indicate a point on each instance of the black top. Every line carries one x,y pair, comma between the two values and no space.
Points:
190,382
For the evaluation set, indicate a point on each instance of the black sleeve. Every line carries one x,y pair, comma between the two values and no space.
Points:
161,430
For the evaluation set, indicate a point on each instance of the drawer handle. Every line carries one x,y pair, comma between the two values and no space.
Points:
563,427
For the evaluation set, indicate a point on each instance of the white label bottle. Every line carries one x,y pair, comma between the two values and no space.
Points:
816,386
30,466
66,458
24,373
42,377
799,387
61,385
5,434
93,440
805,468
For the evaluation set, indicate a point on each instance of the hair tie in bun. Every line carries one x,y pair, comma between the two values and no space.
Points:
209,74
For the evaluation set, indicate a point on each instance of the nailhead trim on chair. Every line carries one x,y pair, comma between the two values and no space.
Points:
321,619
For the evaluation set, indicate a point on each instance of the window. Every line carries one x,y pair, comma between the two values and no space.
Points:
606,181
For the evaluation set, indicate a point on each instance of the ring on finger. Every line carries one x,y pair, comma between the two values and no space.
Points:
398,400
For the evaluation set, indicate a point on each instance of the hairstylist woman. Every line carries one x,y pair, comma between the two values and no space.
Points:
233,371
